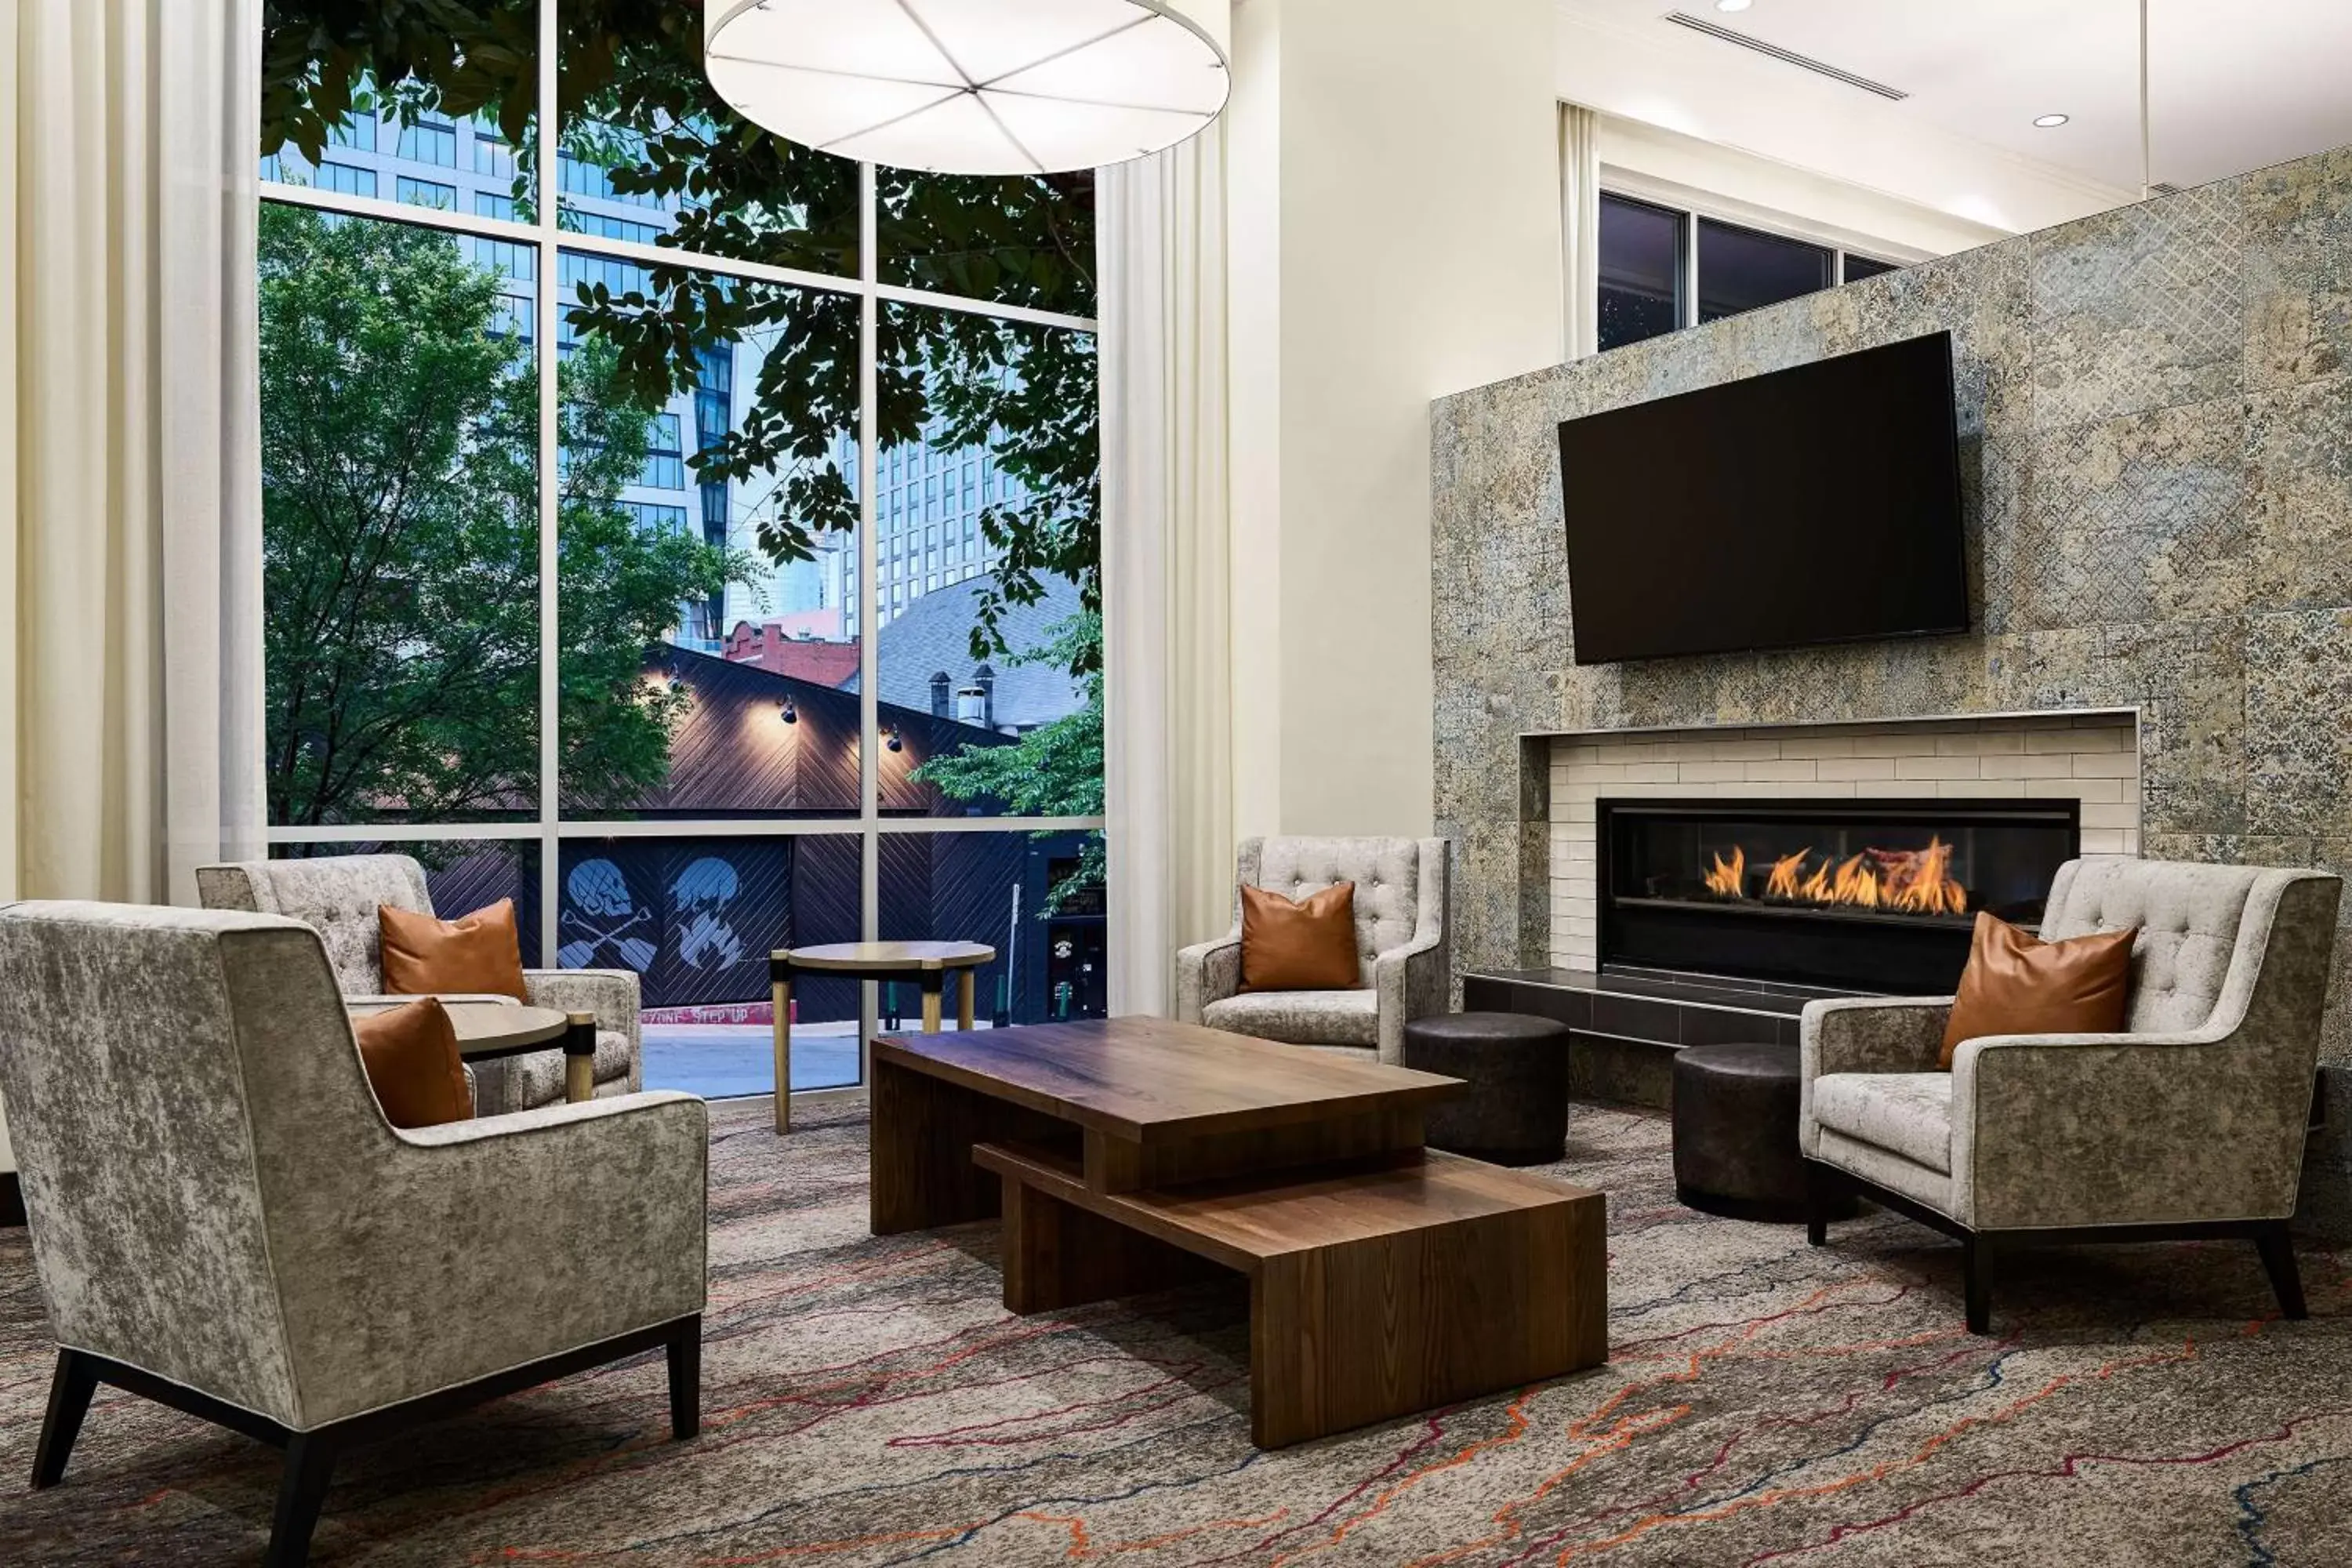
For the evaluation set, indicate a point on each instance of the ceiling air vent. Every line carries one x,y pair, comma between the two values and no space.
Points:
1788,57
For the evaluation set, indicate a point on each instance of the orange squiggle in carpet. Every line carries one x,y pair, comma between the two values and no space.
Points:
1692,1367
1772,1499
1082,1546
1516,1412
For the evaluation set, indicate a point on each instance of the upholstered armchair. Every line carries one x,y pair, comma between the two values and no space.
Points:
224,1222
1399,903
338,896
2190,1122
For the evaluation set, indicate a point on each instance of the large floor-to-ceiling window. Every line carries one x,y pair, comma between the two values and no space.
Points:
688,535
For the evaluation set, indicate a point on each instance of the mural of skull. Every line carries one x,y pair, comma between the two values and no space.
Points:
601,913
701,897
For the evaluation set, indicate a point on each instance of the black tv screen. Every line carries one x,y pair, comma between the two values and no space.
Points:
1811,505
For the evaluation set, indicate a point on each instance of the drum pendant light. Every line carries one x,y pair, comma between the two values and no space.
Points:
974,87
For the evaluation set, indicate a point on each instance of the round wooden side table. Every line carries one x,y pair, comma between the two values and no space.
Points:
926,963
489,1031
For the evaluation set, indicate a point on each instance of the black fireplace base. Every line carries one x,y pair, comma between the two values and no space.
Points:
1628,1023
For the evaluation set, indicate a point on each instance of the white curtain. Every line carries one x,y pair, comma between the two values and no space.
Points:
1580,209
129,480
1167,691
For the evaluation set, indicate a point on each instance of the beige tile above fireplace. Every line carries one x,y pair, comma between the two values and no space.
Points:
2092,757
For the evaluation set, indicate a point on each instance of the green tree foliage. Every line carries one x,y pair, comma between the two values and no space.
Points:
1055,770
400,542
647,115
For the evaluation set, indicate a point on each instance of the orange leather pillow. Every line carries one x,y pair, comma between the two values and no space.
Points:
2016,984
1293,946
410,1056
479,954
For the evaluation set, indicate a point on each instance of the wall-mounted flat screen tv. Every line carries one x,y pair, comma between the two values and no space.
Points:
1811,505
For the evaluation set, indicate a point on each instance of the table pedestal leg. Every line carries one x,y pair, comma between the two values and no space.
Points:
933,982
965,979
780,990
579,1057
920,1173
1057,1256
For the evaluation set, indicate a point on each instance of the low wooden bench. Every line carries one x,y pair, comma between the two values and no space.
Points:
1374,1291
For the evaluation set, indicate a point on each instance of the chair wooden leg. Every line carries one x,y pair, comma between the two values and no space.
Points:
70,1389
301,1492
2277,1251
686,1380
1975,1268
1820,1194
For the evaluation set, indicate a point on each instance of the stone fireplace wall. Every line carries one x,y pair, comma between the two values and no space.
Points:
2155,423
2090,757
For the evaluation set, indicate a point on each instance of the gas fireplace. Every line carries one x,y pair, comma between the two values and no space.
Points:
1870,895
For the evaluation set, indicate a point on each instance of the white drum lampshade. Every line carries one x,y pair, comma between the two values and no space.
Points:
974,87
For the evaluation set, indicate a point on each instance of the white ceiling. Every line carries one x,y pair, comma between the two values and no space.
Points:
2233,84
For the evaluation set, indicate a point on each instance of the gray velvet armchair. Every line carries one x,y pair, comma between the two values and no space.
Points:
2190,1122
224,1222
1400,906
338,895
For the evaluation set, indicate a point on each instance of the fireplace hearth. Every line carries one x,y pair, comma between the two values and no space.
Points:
1875,895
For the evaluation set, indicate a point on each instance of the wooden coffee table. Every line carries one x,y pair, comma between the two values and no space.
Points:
1130,1153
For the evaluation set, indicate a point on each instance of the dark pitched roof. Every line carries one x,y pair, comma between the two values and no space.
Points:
934,634
733,753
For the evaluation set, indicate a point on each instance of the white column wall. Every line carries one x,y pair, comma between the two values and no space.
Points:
1394,235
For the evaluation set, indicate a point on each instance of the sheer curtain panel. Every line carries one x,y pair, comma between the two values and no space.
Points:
130,509
1168,748
1579,207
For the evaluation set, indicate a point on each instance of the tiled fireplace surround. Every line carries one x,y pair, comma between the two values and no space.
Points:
2151,410
2092,757
1629,1022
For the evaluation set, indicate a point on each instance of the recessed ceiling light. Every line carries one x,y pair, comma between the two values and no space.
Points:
1733,4
2049,122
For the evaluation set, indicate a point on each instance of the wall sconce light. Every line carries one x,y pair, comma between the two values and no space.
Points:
787,712
898,741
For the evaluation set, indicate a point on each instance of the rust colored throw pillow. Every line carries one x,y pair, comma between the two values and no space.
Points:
1287,945
479,954
410,1056
2016,984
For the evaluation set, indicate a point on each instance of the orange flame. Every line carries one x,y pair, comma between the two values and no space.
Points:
1913,881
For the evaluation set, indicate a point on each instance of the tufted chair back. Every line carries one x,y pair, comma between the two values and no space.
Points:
2193,930
1400,883
335,894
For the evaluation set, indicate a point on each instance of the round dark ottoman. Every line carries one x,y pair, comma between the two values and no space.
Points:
1515,1112
1736,1132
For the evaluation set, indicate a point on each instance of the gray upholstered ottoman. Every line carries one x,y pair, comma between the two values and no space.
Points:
1515,1112
1736,1149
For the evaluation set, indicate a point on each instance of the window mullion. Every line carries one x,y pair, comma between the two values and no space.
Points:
547,129
870,717
1689,312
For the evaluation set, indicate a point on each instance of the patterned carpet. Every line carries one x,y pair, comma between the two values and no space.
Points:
869,1404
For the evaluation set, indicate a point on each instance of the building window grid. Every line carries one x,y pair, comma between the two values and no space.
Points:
433,142
664,466
410,191
430,140
347,180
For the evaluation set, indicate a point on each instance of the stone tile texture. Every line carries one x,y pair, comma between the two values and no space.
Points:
2155,406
